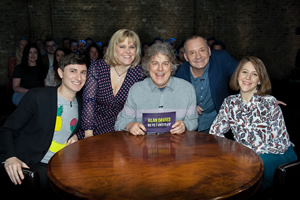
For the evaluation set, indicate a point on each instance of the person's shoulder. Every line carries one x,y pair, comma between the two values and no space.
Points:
269,99
43,90
39,94
182,82
100,62
136,73
136,69
98,67
219,53
233,99
19,66
183,71
222,60
183,67
97,63
184,86
140,84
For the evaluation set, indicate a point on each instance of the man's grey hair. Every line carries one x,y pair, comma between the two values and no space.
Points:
164,49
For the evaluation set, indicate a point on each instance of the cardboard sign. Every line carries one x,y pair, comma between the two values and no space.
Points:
159,122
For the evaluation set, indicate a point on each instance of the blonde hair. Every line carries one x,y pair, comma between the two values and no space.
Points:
265,84
110,56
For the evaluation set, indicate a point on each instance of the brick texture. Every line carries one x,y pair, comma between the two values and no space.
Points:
262,28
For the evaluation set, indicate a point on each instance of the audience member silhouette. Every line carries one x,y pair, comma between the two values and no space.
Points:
29,74
74,46
93,53
81,47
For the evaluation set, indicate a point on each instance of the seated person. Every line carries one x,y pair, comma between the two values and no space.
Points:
29,74
159,93
218,45
45,121
255,118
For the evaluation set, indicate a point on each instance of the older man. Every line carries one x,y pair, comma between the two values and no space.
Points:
160,93
209,72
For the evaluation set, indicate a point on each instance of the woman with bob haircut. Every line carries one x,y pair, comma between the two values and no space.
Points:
255,118
108,82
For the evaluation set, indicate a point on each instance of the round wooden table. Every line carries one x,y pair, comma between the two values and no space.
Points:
192,165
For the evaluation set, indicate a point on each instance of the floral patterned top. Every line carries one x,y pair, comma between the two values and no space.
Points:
259,124
100,106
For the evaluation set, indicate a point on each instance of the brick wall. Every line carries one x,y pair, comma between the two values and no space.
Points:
262,28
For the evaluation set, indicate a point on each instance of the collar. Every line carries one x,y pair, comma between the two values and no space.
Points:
255,98
153,87
205,74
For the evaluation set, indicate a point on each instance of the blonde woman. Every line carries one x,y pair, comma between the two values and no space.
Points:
108,83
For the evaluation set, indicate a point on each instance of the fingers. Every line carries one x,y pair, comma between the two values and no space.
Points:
88,133
178,127
281,103
24,165
199,110
72,140
136,128
13,168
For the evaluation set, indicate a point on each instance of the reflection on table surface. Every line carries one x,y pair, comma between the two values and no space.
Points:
189,166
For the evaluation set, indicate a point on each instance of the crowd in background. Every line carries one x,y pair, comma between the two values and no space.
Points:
49,53
191,79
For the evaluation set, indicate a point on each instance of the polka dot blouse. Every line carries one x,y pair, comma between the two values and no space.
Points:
100,106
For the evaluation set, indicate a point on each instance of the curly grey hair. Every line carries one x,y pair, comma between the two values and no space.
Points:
164,49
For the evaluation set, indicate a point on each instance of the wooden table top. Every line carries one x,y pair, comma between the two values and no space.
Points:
192,165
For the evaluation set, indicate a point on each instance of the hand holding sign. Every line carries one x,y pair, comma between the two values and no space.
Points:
178,127
159,122
136,128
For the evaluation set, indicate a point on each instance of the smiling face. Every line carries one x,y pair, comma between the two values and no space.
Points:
197,53
248,79
93,53
73,77
51,47
33,56
59,54
125,52
160,70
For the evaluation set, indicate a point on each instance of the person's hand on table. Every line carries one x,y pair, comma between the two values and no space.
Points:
13,167
178,127
136,128
88,133
72,140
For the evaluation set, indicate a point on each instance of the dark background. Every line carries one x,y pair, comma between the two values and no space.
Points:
264,28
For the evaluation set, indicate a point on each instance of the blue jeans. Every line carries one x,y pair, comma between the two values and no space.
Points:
271,162
16,98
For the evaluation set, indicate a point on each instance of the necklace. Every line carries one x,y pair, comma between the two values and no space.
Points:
119,78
